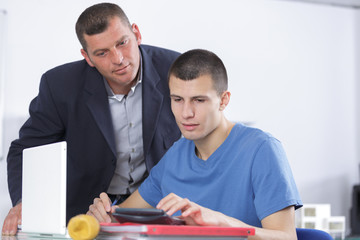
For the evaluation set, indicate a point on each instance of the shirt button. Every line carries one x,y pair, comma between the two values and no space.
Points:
130,124
132,150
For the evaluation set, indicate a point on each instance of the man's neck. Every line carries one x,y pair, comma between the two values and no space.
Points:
206,147
122,89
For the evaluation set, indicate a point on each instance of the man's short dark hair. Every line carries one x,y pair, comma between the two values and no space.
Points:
95,19
198,62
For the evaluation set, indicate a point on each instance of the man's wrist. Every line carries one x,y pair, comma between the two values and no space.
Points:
227,221
18,202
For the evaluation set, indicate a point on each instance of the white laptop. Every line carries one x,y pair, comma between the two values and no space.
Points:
44,190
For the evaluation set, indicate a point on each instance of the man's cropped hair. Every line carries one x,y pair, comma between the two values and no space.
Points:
95,20
198,62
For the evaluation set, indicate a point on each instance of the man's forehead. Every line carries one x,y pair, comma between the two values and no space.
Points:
203,80
197,87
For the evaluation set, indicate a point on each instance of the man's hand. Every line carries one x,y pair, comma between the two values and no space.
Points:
12,220
279,225
192,213
101,208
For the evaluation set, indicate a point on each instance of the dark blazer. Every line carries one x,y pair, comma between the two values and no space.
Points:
72,106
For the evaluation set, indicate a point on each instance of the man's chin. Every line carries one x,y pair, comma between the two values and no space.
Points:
190,136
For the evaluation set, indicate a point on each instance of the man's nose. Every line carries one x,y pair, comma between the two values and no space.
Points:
116,56
188,111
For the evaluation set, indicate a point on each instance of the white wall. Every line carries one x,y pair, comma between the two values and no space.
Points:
2,71
292,70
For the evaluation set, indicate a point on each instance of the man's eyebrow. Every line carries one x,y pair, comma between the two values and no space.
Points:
105,49
193,97
199,96
99,50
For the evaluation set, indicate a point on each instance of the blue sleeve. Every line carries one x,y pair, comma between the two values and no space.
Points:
150,189
273,183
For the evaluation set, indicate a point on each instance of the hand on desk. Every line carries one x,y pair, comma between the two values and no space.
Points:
12,220
192,213
279,225
101,208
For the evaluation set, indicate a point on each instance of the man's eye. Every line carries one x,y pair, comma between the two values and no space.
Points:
123,42
200,100
176,99
100,54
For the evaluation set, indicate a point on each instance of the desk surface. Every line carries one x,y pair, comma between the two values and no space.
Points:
120,237
131,231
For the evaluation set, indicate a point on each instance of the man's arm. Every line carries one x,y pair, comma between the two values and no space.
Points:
101,207
279,225
12,220
44,126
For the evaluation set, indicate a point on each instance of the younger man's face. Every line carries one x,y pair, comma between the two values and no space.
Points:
196,106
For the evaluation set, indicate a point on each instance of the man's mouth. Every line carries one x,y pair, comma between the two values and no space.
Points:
189,126
121,70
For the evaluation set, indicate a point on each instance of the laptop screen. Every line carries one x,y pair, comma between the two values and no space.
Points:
44,189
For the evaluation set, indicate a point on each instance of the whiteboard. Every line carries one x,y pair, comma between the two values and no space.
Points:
2,78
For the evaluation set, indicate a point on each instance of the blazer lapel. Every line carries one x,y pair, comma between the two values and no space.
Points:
152,100
98,104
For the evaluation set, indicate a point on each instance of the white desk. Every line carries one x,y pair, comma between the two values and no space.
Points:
122,236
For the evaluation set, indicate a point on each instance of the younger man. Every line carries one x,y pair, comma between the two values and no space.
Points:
220,173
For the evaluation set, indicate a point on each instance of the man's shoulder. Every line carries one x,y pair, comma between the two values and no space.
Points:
159,52
181,145
70,67
69,72
248,133
72,75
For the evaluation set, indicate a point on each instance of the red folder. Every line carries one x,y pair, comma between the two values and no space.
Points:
175,230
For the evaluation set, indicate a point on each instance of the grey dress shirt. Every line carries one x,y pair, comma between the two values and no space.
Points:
126,112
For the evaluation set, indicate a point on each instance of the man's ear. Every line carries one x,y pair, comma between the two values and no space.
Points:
225,99
87,58
137,33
